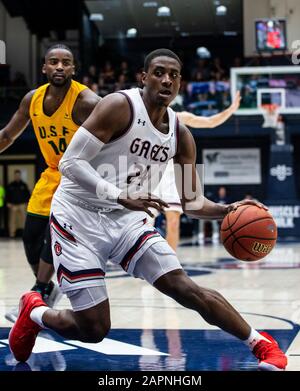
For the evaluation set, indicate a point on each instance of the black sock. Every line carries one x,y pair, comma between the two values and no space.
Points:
43,288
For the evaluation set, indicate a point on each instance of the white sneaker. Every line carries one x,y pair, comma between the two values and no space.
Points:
54,297
51,301
12,315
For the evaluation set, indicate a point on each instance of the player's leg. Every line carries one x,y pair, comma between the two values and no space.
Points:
34,244
37,243
89,321
161,268
22,215
210,304
49,290
201,233
172,228
80,273
215,231
12,221
33,239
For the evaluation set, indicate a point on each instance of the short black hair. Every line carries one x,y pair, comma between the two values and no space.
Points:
17,172
160,53
58,46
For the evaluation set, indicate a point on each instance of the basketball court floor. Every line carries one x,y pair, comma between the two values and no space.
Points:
151,332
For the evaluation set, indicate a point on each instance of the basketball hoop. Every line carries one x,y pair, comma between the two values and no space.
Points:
270,113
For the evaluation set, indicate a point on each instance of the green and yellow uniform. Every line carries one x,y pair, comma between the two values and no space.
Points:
54,134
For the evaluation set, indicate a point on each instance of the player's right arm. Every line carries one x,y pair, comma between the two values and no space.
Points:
108,120
196,121
17,123
188,183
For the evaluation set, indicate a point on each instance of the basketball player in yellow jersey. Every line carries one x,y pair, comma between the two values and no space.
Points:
56,110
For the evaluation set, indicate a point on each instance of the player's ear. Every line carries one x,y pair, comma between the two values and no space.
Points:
144,77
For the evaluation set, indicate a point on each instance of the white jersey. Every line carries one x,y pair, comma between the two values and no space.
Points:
167,190
133,158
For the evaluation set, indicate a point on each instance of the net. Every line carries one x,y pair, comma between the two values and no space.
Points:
270,113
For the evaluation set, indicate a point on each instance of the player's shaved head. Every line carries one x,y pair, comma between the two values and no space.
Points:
58,46
160,53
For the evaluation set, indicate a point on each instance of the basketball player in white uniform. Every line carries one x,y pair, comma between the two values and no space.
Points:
95,217
166,189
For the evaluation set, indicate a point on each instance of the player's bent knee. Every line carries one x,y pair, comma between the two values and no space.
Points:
91,312
174,283
95,333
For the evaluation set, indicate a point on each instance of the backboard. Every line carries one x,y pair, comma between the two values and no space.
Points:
278,85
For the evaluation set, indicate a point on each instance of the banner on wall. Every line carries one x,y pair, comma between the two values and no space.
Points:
232,166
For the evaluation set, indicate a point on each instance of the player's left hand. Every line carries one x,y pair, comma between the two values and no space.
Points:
236,102
237,204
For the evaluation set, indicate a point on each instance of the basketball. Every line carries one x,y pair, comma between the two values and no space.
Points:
249,233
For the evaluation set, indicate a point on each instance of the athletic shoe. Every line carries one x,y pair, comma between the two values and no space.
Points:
12,314
51,298
270,357
24,332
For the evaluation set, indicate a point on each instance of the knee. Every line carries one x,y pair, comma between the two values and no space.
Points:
95,333
175,284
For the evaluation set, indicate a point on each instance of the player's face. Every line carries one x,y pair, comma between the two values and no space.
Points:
59,67
162,81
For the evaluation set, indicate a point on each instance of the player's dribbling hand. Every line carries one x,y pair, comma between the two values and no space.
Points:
142,203
235,205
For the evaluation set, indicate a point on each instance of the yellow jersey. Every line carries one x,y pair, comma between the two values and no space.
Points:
53,134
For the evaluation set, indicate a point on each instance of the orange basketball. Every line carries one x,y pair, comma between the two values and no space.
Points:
249,233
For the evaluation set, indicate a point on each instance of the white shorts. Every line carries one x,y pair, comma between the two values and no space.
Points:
167,190
83,240
156,261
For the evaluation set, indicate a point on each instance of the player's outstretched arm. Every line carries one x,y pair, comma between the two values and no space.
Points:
17,123
195,121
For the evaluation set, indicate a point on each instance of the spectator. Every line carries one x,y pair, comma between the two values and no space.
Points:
95,88
202,68
237,62
87,81
103,89
217,68
17,196
108,73
92,74
125,70
121,83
